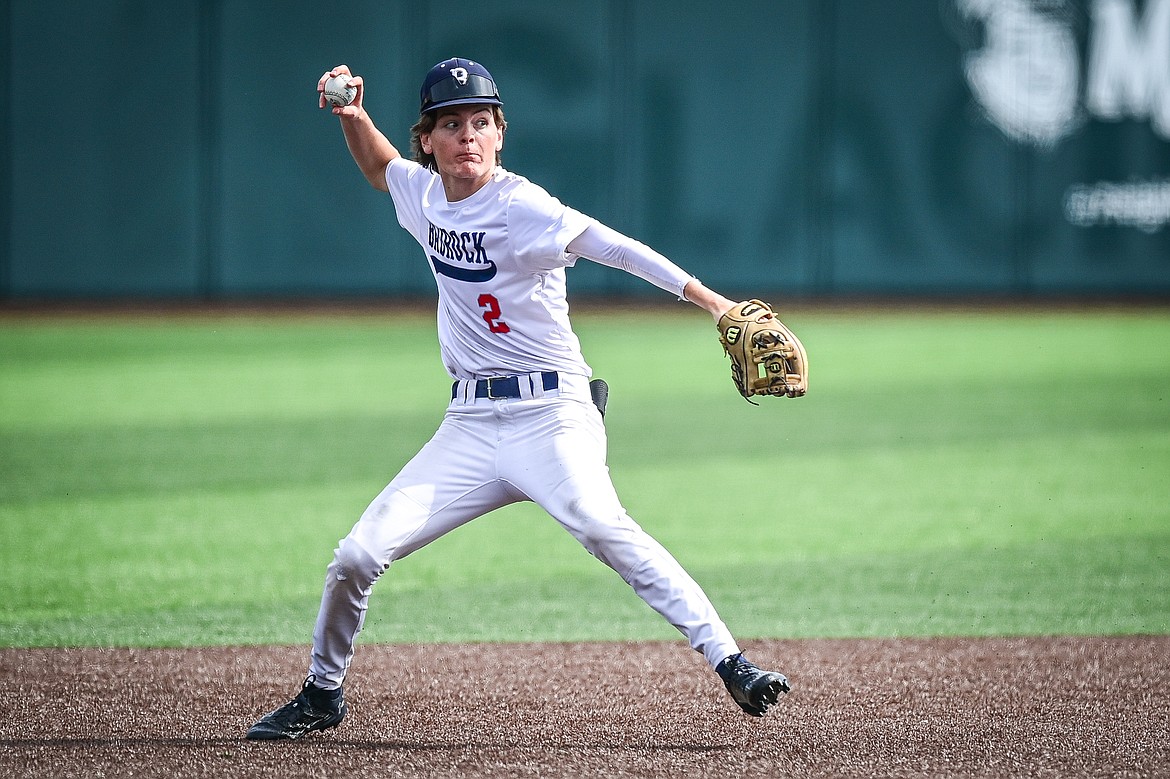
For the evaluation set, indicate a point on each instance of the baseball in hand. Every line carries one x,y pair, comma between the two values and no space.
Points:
338,91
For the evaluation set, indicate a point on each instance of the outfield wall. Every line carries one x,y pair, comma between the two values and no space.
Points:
917,147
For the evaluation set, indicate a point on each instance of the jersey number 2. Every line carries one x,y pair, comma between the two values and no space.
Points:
491,314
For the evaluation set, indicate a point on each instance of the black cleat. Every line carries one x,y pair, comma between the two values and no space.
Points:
312,709
753,689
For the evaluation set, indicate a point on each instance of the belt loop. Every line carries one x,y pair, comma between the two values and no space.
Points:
529,388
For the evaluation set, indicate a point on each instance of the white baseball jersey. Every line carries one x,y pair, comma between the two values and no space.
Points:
499,260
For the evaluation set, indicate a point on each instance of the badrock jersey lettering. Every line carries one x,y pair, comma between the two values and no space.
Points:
499,260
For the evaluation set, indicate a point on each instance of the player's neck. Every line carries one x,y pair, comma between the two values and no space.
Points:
457,188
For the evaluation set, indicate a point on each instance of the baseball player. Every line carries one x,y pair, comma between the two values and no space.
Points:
520,424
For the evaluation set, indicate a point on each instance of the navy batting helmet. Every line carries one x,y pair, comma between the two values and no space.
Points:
457,82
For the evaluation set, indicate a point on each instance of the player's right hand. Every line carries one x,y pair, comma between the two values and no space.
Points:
354,108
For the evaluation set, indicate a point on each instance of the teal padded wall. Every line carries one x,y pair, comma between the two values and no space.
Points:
811,147
104,149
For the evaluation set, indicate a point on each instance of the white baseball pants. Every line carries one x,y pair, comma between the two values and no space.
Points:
550,449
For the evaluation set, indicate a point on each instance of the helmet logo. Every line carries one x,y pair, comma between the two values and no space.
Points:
460,75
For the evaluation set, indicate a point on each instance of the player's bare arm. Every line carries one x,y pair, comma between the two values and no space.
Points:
707,299
370,148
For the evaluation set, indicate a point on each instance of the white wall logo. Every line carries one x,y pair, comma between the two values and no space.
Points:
1129,63
1026,76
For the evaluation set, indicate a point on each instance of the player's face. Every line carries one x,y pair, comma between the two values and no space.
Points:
464,142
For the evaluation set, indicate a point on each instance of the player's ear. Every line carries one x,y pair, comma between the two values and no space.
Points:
424,140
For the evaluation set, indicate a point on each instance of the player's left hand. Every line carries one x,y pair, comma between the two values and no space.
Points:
766,357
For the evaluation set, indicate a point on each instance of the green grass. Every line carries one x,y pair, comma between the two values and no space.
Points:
183,481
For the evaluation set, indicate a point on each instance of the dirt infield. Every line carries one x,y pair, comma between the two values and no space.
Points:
1064,707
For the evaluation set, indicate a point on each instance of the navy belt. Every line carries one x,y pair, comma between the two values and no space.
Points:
500,387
